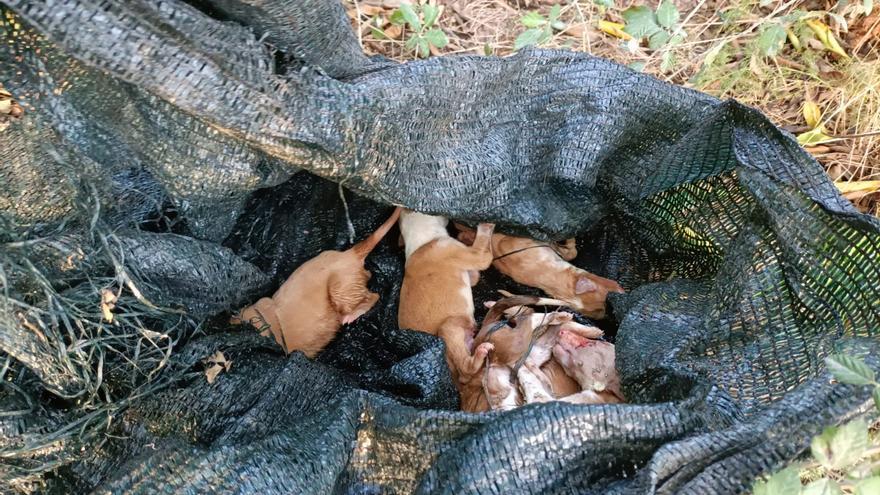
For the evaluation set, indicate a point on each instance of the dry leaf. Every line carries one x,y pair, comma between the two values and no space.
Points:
371,10
813,137
812,114
858,186
394,31
793,39
212,372
755,67
614,29
153,335
823,32
108,302
218,363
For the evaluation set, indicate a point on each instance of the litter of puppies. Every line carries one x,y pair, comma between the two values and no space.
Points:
520,354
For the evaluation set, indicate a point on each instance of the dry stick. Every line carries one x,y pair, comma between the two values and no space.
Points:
351,232
586,45
360,30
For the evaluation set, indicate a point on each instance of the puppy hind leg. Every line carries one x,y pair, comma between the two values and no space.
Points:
365,305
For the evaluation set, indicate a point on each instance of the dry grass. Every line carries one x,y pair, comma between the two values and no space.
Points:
718,56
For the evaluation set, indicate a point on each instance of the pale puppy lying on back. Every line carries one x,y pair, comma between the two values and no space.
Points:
436,296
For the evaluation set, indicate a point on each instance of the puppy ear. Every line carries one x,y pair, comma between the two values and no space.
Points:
489,304
583,284
467,237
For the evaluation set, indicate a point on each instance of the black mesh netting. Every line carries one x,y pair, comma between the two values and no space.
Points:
160,165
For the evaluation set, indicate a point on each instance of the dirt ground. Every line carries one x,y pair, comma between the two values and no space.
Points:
811,66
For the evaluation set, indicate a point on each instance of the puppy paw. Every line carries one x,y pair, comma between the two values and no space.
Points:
485,228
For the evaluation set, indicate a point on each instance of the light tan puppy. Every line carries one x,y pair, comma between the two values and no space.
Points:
324,293
560,384
436,297
591,363
546,266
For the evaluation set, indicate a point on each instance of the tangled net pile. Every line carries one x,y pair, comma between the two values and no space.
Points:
175,161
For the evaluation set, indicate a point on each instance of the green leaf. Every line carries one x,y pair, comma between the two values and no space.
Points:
430,12
532,20
527,38
637,66
436,37
658,39
410,16
411,42
771,40
759,488
867,6
877,397
667,14
397,18
488,50
840,447
604,3
813,137
850,370
785,482
822,486
640,22
667,61
557,25
424,49
378,33
870,486
554,12
712,53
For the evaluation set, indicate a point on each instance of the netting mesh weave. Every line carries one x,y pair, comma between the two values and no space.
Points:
186,157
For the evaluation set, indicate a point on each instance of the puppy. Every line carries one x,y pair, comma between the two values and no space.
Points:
514,341
541,377
591,363
436,297
324,293
546,266
558,383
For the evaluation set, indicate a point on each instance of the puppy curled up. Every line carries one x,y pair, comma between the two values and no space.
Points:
522,340
320,296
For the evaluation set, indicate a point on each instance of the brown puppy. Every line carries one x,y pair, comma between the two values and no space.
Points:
546,266
436,297
591,363
324,293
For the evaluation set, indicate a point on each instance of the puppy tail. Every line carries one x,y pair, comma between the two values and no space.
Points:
363,248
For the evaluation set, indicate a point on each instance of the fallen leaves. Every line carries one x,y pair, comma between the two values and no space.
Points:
216,364
824,34
614,29
817,133
108,303
858,189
